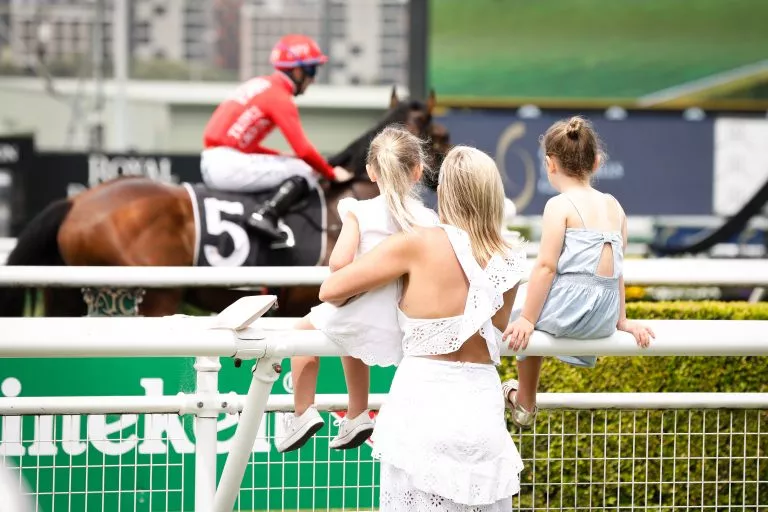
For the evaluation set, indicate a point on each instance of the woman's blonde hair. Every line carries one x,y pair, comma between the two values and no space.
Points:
394,154
470,196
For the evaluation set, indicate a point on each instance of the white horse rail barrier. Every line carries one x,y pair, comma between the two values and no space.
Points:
697,432
235,333
273,338
657,272
724,250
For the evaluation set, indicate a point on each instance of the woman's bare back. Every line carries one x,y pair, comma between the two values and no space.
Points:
437,287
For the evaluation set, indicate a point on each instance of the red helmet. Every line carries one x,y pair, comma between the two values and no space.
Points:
294,50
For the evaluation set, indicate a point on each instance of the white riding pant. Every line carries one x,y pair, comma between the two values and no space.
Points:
228,169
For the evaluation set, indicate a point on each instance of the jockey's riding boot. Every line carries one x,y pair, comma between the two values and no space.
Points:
264,220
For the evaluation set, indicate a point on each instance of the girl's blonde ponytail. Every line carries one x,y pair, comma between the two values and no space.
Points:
393,155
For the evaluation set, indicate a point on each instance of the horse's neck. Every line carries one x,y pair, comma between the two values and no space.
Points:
353,157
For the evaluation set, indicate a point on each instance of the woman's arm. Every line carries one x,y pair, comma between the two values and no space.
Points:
346,245
543,273
390,260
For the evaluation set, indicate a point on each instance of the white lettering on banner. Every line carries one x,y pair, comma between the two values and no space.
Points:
114,438
43,443
155,425
103,168
609,170
260,445
99,428
70,436
10,440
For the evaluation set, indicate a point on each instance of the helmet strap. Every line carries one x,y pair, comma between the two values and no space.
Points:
296,83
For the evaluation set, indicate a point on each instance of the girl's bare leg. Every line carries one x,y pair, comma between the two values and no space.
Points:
304,371
358,376
528,371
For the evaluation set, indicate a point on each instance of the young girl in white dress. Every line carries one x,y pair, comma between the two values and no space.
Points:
441,436
366,326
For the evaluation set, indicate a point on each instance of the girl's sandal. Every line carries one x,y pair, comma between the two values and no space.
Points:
520,417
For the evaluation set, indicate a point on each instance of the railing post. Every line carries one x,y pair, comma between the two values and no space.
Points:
206,416
265,373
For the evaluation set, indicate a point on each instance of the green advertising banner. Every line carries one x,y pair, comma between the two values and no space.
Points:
134,462
663,53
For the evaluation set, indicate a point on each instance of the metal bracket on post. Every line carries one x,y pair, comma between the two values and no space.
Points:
113,301
265,373
239,316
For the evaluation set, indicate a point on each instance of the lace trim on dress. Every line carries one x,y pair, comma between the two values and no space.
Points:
398,495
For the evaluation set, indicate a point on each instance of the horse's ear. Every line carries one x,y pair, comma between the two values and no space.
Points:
431,100
393,101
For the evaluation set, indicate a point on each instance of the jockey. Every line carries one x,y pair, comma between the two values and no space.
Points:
235,160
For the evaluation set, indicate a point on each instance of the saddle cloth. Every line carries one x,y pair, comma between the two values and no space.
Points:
223,240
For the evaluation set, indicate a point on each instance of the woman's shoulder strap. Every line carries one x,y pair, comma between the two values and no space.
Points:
462,247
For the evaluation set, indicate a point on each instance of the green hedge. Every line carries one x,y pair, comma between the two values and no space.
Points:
581,456
656,374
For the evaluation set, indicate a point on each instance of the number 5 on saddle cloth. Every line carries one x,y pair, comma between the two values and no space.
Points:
222,238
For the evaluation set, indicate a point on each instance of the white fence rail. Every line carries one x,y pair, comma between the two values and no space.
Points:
186,403
272,338
236,332
659,272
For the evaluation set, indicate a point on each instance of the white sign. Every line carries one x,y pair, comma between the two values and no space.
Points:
741,162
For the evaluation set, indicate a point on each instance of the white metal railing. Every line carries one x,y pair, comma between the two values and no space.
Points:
186,403
274,338
678,451
663,271
235,333
531,249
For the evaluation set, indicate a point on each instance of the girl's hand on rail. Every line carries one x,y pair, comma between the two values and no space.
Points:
642,333
517,334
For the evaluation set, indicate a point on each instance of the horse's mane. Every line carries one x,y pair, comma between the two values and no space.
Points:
354,155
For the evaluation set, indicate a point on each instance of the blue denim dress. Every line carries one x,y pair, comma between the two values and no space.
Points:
580,303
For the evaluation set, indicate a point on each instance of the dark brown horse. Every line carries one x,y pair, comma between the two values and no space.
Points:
136,221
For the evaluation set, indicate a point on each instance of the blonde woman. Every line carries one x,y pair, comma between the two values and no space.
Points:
441,435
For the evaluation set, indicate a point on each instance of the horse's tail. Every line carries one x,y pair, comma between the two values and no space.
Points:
36,245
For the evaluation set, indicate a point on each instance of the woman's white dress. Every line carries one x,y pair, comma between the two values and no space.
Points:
441,435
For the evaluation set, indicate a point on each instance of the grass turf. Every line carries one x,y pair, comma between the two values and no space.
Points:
589,48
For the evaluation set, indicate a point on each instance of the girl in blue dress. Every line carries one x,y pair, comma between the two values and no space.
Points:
576,288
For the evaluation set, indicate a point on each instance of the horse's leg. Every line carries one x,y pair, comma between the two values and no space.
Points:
67,302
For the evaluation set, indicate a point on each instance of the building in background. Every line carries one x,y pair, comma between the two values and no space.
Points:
366,40
227,26
162,30
5,30
68,27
